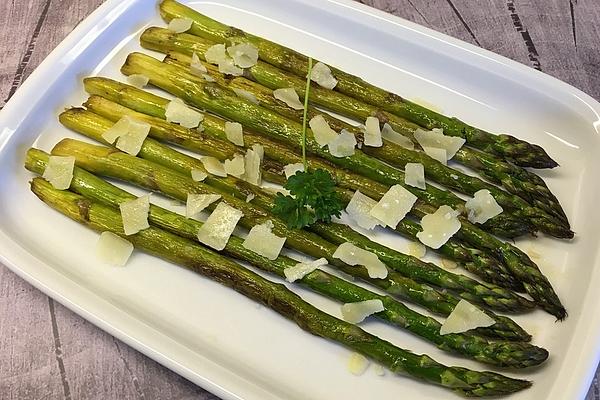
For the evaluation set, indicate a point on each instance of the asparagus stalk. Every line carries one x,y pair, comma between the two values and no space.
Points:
508,354
225,103
515,150
474,261
106,161
277,297
517,261
274,78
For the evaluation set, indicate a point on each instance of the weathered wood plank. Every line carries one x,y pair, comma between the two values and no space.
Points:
586,14
18,41
28,367
558,54
97,366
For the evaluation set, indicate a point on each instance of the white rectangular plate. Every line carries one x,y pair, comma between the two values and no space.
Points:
222,341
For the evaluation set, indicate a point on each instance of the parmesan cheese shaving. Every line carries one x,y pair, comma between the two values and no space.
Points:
302,269
435,138
414,175
119,128
134,214
244,94
196,66
245,55
448,264
178,112
180,25
236,166
138,80
379,370
357,364
390,134
394,205
359,209
129,134
482,207
262,241
198,175
215,54
250,197
357,312
437,154
321,74
343,145
322,132
208,78
234,133
228,67
439,227
416,249
289,97
59,171
352,255
113,249
252,165
372,134
196,203
219,226
213,166
291,169
465,317
131,141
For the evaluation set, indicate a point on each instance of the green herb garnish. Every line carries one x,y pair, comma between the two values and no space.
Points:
313,196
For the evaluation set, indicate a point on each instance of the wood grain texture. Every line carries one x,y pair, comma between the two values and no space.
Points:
47,352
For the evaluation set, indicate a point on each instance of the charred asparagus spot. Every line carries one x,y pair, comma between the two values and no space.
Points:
277,297
508,354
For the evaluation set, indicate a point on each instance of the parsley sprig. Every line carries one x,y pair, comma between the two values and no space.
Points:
312,192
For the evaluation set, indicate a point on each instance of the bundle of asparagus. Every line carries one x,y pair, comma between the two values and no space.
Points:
280,131
225,103
511,148
508,353
181,251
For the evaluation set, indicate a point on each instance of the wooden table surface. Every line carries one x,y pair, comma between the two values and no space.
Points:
47,352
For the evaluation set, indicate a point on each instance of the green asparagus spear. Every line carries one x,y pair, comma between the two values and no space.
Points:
515,150
517,261
274,78
474,260
509,354
112,163
277,297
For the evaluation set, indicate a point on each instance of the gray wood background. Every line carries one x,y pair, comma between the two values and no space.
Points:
47,352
